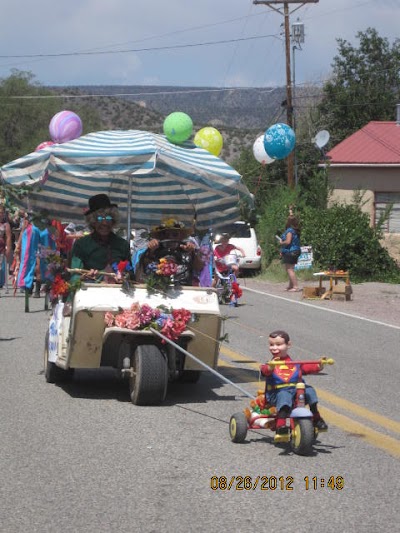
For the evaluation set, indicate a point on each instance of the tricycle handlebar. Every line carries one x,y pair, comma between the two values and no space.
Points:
322,361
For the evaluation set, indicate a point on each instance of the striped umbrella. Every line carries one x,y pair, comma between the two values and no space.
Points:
148,177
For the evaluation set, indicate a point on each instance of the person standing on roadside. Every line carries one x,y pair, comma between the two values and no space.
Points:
290,250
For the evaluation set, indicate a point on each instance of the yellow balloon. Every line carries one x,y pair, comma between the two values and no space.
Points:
210,139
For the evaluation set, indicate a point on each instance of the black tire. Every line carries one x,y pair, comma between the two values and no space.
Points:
52,372
238,427
190,376
220,291
302,436
148,385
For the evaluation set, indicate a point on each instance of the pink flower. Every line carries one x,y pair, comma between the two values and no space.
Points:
132,321
146,314
109,319
135,307
120,320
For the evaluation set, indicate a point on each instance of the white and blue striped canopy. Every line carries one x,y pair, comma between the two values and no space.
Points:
180,181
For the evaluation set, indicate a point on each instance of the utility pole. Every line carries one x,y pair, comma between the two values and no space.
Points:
289,104
297,40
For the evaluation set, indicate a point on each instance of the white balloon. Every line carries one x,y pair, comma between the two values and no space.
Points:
259,151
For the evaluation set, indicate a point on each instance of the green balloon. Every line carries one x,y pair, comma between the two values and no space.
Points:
178,127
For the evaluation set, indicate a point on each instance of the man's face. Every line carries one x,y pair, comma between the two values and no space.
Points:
104,223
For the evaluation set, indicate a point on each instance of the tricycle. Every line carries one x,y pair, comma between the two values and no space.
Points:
260,415
78,337
227,284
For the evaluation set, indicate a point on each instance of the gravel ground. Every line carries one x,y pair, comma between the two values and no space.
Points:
375,301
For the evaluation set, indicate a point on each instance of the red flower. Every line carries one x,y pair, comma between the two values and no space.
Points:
59,287
122,266
237,291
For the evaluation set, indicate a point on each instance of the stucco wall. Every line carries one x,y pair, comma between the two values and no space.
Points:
367,180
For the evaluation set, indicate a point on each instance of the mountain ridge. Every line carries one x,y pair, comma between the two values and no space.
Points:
239,114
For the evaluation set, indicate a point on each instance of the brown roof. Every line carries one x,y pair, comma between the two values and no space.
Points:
377,143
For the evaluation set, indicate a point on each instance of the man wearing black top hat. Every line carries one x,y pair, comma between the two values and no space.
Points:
102,248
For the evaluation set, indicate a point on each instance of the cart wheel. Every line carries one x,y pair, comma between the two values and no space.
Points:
302,436
238,427
148,385
52,372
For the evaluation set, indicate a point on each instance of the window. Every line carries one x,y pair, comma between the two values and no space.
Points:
240,231
382,201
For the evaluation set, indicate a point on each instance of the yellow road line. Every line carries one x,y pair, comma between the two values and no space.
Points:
358,410
384,442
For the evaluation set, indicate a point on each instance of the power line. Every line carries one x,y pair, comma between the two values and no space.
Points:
155,48
155,93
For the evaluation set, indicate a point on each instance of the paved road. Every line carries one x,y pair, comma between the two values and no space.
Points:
81,458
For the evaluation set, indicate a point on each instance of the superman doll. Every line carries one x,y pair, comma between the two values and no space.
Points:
281,382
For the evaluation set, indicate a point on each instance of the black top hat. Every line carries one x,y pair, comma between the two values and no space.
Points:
99,201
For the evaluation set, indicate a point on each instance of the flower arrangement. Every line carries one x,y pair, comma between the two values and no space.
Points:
159,276
57,278
259,406
170,322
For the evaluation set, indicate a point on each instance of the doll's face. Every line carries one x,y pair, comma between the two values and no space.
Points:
278,347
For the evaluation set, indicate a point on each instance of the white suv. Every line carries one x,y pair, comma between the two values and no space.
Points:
244,236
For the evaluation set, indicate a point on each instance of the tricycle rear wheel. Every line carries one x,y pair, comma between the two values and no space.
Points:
148,384
302,436
238,427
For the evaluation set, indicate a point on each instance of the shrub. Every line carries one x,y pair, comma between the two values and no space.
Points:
342,238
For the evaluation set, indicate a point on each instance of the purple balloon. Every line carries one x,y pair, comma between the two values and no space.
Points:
65,126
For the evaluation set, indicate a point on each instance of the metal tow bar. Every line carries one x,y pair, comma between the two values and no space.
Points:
220,376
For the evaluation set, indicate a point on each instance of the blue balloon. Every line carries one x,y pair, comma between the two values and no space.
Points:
279,141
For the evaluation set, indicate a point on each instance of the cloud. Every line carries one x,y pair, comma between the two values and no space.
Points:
102,25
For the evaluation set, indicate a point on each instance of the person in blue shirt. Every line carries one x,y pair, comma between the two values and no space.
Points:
290,250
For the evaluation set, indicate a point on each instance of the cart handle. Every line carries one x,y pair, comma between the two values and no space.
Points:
83,271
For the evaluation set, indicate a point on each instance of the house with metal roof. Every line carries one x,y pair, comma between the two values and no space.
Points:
369,161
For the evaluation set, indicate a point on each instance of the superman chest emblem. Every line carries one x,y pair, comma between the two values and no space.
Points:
286,373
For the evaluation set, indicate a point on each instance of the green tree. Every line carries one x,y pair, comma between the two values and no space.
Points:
261,180
24,116
272,219
26,109
365,84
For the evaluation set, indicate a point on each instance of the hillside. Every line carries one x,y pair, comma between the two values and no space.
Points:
240,115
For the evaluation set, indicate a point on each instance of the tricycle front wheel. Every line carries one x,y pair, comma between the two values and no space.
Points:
302,436
238,427
148,384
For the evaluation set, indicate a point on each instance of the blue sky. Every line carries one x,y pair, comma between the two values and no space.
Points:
127,27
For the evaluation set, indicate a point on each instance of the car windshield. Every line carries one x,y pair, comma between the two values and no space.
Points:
238,231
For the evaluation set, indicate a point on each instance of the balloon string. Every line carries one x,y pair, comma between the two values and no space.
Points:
258,183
